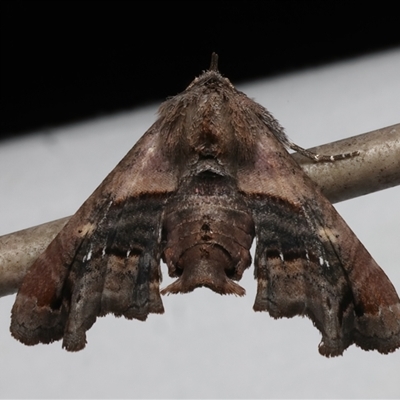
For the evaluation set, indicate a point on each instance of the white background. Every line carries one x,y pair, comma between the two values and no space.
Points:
205,345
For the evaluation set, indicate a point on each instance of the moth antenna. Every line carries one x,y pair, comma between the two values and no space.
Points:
214,62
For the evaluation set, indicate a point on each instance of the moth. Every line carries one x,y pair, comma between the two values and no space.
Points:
210,175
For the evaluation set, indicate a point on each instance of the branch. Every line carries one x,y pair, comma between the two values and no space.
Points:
376,168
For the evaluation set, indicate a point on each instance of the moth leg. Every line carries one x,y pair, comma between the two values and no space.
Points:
321,157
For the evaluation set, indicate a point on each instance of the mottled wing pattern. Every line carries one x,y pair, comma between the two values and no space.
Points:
308,262
106,259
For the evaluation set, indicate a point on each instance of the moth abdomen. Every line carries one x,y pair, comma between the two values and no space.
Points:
207,239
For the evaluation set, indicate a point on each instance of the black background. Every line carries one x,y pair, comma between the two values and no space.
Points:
64,61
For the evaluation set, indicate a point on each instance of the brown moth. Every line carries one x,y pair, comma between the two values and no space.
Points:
211,174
